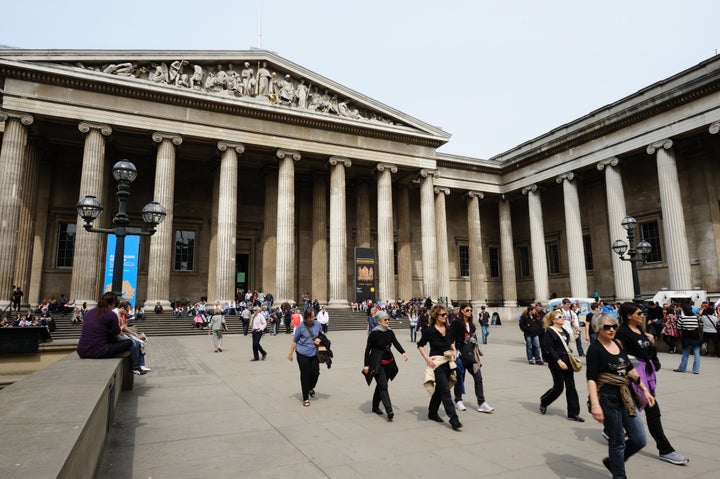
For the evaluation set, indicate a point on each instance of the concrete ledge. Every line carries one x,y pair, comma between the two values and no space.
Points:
55,421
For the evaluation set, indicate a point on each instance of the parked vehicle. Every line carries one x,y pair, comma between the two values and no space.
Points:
697,296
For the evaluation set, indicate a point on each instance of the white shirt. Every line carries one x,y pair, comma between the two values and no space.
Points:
570,321
323,317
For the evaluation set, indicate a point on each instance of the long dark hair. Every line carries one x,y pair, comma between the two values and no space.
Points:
107,301
470,321
626,310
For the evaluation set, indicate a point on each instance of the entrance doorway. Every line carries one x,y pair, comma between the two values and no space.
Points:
241,273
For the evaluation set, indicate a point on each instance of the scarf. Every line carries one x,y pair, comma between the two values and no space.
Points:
627,394
381,328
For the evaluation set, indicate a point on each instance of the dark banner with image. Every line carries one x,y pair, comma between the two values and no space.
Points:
364,274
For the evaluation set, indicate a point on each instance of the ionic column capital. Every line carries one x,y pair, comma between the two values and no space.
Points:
224,145
530,188
614,161
159,137
665,144
24,118
445,191
339,160
380,167
425,172
86,126
281,154
565,177
475,194
714,127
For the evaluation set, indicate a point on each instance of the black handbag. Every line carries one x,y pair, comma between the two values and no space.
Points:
467,353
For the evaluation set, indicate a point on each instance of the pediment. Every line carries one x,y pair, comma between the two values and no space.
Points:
255,78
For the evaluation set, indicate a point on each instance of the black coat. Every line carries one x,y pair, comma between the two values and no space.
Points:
377,350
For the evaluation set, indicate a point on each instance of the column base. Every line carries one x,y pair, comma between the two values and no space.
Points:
510,304
338,304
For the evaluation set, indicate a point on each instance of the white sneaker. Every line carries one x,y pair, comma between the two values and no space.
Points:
460,406
485,407
146,369
675,458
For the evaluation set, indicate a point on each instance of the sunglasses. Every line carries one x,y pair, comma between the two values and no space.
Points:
468,310
608,327
442,314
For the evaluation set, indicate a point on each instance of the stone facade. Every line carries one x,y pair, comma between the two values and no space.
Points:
274,172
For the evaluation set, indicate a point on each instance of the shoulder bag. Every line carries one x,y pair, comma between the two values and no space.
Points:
575,363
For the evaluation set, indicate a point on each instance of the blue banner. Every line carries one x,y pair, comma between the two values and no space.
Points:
130,266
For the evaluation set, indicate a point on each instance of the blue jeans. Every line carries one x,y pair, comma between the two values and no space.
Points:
413,333
617,422
696,358
532,348
485,333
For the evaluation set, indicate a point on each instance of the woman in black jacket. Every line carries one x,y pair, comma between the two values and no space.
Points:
380,362
556,356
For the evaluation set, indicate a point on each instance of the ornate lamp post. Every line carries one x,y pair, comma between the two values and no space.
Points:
642,249
89,208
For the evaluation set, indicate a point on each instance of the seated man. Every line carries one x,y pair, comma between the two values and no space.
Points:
100,336
158,308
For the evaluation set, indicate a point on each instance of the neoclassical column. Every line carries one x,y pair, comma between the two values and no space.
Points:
285,266
269,253
574,236
11,162
427,235
162,243
507,254
362,216
227,221
441,234
386,275
212,254
677,254
32,295
478,289
26,227
338,233
404,243
622,273
319,279
537,243
86,264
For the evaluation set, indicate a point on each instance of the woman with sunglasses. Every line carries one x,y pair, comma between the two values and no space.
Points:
463,332
554,344
380,362
640,344
610,374
440,365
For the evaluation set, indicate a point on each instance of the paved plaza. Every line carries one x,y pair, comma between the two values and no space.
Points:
200,414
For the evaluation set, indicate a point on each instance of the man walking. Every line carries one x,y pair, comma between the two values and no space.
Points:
323,319
484,319
258,329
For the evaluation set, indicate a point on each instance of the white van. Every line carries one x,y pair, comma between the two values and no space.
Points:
584,305
697,296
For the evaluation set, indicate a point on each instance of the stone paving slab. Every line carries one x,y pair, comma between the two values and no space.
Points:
206,414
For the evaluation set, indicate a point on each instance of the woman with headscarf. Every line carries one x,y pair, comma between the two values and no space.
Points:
380,362
305,344
440,372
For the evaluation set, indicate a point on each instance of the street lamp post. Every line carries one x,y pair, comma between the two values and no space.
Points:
642,249
89,208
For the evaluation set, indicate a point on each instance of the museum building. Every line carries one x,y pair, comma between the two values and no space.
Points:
272,175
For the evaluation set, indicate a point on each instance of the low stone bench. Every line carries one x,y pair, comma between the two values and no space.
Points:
54,422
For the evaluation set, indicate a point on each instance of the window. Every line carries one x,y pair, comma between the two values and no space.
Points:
66,245
184,250
464,253
587,246
552,252
650,232
523,261
494,262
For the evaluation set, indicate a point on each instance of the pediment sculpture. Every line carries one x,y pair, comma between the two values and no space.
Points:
253,82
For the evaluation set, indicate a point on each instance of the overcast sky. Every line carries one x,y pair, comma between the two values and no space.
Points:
494,74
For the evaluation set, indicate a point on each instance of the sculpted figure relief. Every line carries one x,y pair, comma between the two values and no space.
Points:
258,85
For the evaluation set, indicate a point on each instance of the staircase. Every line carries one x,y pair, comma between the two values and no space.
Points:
169,325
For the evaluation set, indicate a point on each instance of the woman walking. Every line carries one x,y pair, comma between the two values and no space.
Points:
380,363
609,375
640,344
463,333
554,344
305,345
216,327
440,372
691,338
